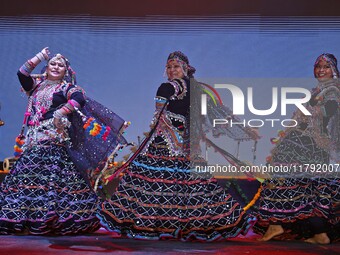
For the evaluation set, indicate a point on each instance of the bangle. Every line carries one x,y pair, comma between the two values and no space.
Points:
73,103
66,109
40,56
45,55
58,115
69,107
32,65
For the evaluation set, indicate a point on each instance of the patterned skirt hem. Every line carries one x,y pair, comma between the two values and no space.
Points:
49,226
211,235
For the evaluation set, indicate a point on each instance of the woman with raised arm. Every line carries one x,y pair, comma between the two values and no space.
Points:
44,192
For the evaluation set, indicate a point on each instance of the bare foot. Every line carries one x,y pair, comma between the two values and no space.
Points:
311,240
318,239
272,231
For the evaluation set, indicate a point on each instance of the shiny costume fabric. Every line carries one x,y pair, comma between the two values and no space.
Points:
44,192
159,197
295,201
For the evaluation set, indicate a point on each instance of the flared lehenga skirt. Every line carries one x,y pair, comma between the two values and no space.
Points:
160,198
45,194
292,201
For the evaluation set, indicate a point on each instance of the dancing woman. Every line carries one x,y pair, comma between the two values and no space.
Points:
45,193
307,206
159,196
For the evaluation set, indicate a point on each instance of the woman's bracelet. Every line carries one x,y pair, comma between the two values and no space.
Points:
58,114
66,109
40,56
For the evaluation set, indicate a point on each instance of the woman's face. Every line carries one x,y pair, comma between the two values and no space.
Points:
174,70
323,70
56,69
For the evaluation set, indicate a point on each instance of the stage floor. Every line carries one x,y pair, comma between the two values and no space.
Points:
102,242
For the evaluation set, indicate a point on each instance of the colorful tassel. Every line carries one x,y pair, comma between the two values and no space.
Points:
19,142
274,140
95,129
269,159
281,133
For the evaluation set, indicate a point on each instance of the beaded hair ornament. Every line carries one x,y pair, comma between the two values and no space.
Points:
183,60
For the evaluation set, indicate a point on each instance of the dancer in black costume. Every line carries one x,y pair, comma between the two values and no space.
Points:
159,196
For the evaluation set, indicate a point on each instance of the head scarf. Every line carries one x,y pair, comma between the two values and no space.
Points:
188,70
331,60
